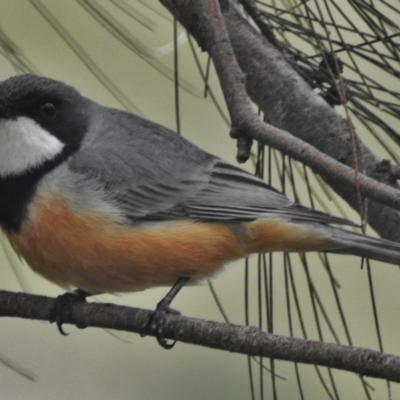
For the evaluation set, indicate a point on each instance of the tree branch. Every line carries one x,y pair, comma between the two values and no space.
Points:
237,339
289,103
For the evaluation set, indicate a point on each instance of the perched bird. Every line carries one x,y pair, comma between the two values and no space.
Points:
103,200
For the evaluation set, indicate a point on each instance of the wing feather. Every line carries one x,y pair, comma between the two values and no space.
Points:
154,174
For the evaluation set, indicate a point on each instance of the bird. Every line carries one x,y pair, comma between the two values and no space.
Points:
100,200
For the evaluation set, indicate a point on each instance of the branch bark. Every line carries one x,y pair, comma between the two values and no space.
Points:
290,104
237,339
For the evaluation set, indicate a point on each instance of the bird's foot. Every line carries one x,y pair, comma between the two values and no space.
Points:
62,308
155,324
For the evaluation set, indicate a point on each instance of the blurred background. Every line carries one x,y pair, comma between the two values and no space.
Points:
131,54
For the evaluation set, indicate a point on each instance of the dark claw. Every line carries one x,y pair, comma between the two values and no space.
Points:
155,324
62,308
60,327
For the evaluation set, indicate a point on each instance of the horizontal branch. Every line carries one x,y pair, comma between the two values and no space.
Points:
237,339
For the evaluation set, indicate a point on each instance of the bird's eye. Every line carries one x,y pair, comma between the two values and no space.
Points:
48,110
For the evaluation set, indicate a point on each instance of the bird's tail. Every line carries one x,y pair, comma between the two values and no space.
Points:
366,246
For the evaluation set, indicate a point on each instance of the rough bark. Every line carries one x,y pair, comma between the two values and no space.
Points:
291,105
238,339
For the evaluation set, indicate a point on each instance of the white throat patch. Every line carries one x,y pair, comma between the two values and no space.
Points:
25,144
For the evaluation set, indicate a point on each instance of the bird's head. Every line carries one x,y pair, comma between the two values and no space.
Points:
41,121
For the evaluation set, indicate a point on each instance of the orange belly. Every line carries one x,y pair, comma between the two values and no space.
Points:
94,252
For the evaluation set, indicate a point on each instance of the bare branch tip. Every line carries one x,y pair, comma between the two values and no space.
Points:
244,144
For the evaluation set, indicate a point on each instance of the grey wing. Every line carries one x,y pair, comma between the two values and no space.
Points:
232,193
154,174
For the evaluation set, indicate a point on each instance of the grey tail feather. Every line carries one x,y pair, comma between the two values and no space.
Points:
366,246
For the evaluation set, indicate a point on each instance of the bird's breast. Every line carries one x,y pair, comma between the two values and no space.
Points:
93,250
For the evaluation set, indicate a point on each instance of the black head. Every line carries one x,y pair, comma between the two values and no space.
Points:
42,123
56,107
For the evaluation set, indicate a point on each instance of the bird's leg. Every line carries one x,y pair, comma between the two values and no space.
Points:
63,306
157,318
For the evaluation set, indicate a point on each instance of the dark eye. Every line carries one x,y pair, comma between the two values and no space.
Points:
48,110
